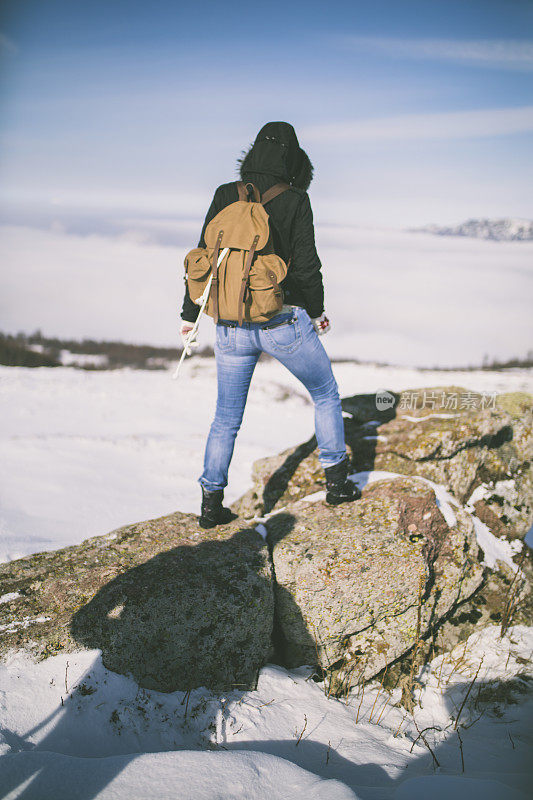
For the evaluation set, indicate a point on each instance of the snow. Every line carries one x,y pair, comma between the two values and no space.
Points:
6,598
261,530
316,497
443,787
479,493
69,359
495,549
70,728
23,623
529,537
85,452
426,416
166,776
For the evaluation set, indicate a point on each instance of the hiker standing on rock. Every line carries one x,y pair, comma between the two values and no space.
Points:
265,293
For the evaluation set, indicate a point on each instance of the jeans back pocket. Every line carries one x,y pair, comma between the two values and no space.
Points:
225,338
285,337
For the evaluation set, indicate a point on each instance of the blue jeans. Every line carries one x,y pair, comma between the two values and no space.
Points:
295,343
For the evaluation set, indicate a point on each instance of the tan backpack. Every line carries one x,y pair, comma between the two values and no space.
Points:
245,284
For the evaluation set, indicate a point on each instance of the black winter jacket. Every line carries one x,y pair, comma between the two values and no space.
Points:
276,156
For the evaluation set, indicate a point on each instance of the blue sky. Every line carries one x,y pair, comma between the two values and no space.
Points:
411,112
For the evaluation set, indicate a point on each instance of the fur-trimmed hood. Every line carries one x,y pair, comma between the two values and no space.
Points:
276,152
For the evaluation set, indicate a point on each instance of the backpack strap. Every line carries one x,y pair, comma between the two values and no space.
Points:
242,188
275,285
214,281
273,192
245,275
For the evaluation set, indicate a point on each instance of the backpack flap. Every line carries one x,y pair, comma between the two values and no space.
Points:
240,222
266,271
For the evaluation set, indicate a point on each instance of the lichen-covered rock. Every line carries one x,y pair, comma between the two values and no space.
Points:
174,606
356,584
465,449
462,448
282,479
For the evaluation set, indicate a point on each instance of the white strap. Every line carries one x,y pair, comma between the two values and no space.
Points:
203,299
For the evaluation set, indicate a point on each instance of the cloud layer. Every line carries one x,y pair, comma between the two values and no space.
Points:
501,53
441,125
393,296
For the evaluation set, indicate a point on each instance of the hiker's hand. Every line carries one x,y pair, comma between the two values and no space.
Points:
321,325
185,330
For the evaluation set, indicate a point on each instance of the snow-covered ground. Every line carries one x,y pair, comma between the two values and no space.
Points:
72,729
85,452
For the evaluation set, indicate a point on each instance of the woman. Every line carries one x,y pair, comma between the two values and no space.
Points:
291,336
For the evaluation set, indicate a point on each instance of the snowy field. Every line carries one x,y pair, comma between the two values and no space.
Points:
85,452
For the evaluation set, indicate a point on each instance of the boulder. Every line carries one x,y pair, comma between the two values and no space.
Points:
171,605
358,584
488,449
463,449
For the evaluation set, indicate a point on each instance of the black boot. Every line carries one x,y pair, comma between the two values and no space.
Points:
338,488
213,512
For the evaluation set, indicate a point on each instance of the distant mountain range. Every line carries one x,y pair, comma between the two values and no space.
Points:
500,230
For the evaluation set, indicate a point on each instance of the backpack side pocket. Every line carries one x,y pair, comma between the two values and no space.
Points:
266,295
197,271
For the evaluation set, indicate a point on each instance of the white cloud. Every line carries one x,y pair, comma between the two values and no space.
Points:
394,296
104,200
505,53
441,125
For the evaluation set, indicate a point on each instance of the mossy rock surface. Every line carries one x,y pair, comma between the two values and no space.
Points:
170,604
355,583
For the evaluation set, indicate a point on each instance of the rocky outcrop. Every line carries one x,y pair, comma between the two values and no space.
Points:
357,585
350,588
480,451
463,448
174,606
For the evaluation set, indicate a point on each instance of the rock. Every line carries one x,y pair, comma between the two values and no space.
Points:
470,449
174,606
463,449
352,580
282,479
481,455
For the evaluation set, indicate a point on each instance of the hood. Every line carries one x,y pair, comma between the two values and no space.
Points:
276,152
